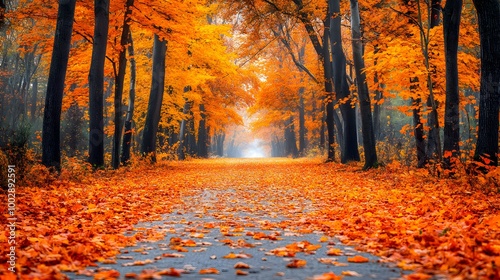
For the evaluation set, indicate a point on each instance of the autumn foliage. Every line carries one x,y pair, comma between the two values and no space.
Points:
431,226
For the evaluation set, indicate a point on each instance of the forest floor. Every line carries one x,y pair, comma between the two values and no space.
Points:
258,218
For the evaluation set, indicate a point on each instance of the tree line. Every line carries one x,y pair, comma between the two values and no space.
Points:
314,73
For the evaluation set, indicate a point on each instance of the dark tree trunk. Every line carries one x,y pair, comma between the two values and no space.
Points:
183,129
488,12
377,106
350,150
364,96
322,131
451,25
34,99
148,146
219,139
419,128
51,145
302,122
290,138
202,134
191,145
127,136
328,75
119,79
433,150
96,83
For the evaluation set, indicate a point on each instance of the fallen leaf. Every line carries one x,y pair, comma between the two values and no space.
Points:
296,263
358,259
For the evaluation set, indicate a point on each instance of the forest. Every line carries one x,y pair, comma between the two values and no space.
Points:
375,81
104,99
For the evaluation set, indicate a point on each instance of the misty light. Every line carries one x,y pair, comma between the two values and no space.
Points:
254,150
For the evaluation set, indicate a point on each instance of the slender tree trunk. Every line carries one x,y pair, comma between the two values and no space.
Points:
488,12
184,127
377,105
290,138
127,136
451,25
350,150
34,99
148,146
433,150
119,80
202,134
51,145
219,138
328,75
364,96
96,83
302,122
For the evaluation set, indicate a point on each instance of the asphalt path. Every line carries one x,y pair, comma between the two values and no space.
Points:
207,234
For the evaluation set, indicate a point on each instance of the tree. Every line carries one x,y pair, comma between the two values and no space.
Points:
364,95
127,136
148,146
451,26
202,134
119,80
488,13
350,151
96,83
51,147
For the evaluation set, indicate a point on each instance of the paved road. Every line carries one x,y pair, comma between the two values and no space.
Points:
221,222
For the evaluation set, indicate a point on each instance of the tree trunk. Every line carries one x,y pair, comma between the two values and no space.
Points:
127,136
51,146
377,128
451,25
364,96
34,99
183,129
219,145
96,83
119,79
433,150
328,75
290,138
488,12
302,123
350,149
148,147
202,134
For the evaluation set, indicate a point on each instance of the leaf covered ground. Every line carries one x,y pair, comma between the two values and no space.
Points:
431,226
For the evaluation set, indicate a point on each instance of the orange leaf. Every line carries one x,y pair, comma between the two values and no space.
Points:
296,263
210,270
358,259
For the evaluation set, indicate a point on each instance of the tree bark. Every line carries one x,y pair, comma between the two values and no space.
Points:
51,145
369,143
96,83
127,136
290,138
433,150
202,134
34,99
302,122
488,12
328,75
451,25
148,146
350,150
119,80
183,128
